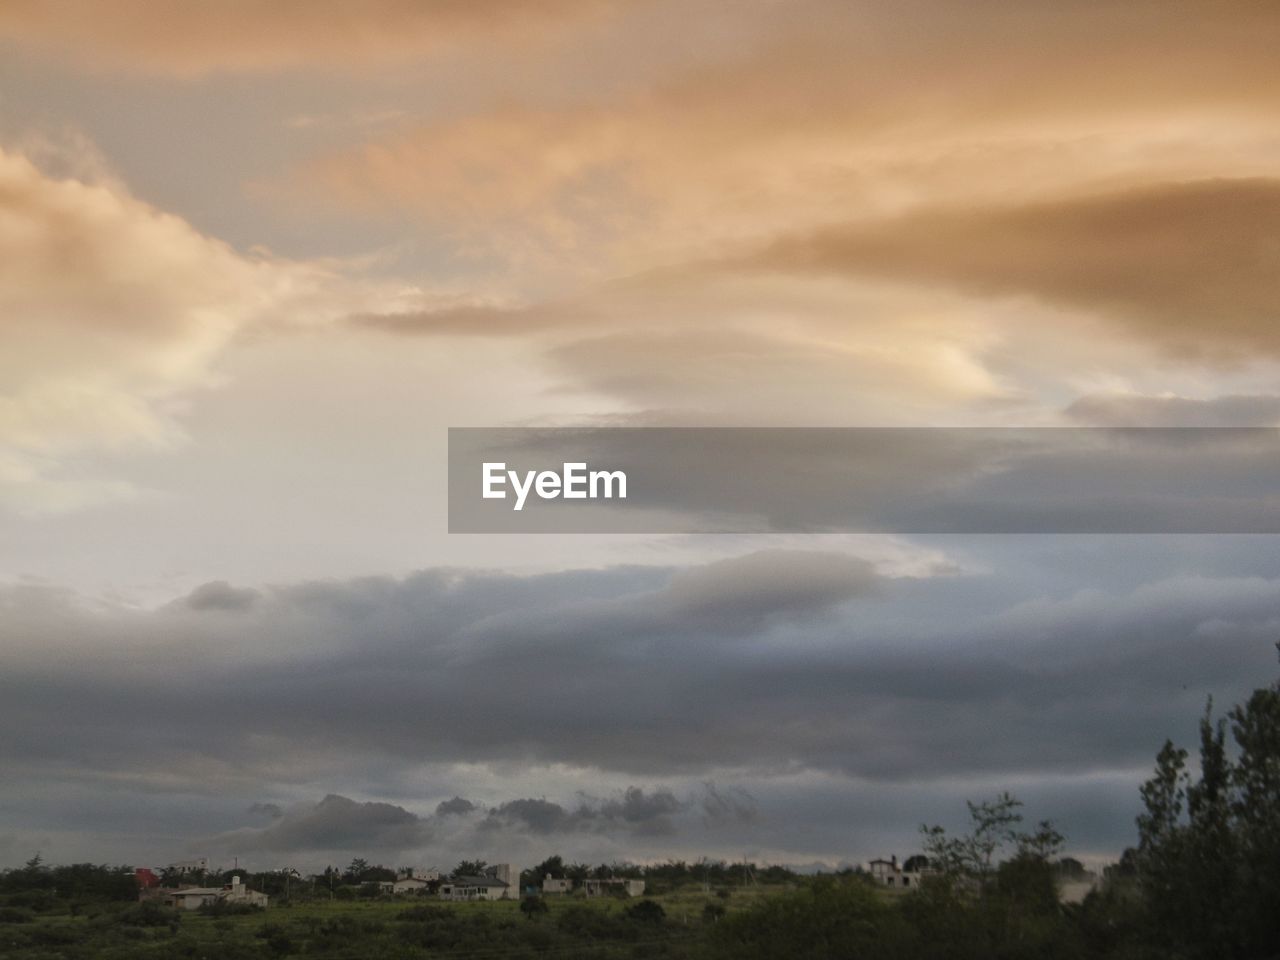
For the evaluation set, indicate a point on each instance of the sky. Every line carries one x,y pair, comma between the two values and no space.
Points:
256,258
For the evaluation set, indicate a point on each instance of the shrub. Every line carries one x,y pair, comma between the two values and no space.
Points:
533,906
647,911
149,913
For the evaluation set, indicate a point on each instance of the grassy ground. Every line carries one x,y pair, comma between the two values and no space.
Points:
400,927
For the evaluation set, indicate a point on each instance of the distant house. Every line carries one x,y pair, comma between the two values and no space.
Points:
183,867
888,873
556,885
417,882
613,885
193,898
474,888
499,882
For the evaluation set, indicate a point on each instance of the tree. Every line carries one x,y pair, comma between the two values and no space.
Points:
356,869
993,827
552,866
1208,857
469,868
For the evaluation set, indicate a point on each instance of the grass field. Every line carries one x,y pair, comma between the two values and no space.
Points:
400,927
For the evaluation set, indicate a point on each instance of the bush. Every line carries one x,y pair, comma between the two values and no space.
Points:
277,939
16,915
533,906
647,911
149,913
221,908
825,920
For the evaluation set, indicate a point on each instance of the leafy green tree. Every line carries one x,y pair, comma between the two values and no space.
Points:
1208,856
993,829
552,866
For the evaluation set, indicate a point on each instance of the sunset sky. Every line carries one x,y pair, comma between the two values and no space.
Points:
256,257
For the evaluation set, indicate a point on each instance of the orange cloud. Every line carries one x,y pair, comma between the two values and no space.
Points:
191,37
845,113
1193,266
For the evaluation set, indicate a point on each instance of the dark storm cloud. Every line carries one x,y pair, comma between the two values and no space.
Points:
340,824
636,806
1192,265
638,671
454,807
335,823
637,811
539,816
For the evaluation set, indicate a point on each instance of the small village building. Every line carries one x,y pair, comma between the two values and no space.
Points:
416,884
556,886
474,888
499,882
193,898
890,874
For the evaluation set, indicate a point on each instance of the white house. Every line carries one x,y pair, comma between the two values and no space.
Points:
556,885
500,882
237,892
890,874
193,898
414,884
475,888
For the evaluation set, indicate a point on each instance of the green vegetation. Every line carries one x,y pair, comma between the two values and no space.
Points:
1203,883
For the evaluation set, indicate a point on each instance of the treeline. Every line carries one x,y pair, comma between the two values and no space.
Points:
37,887
662,877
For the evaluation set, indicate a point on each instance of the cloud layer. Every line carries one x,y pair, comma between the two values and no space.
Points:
648,674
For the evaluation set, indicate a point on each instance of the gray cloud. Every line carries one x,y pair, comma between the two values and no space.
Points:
454,807
763,665
220,595
335,823
733,803
638,811
609,669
